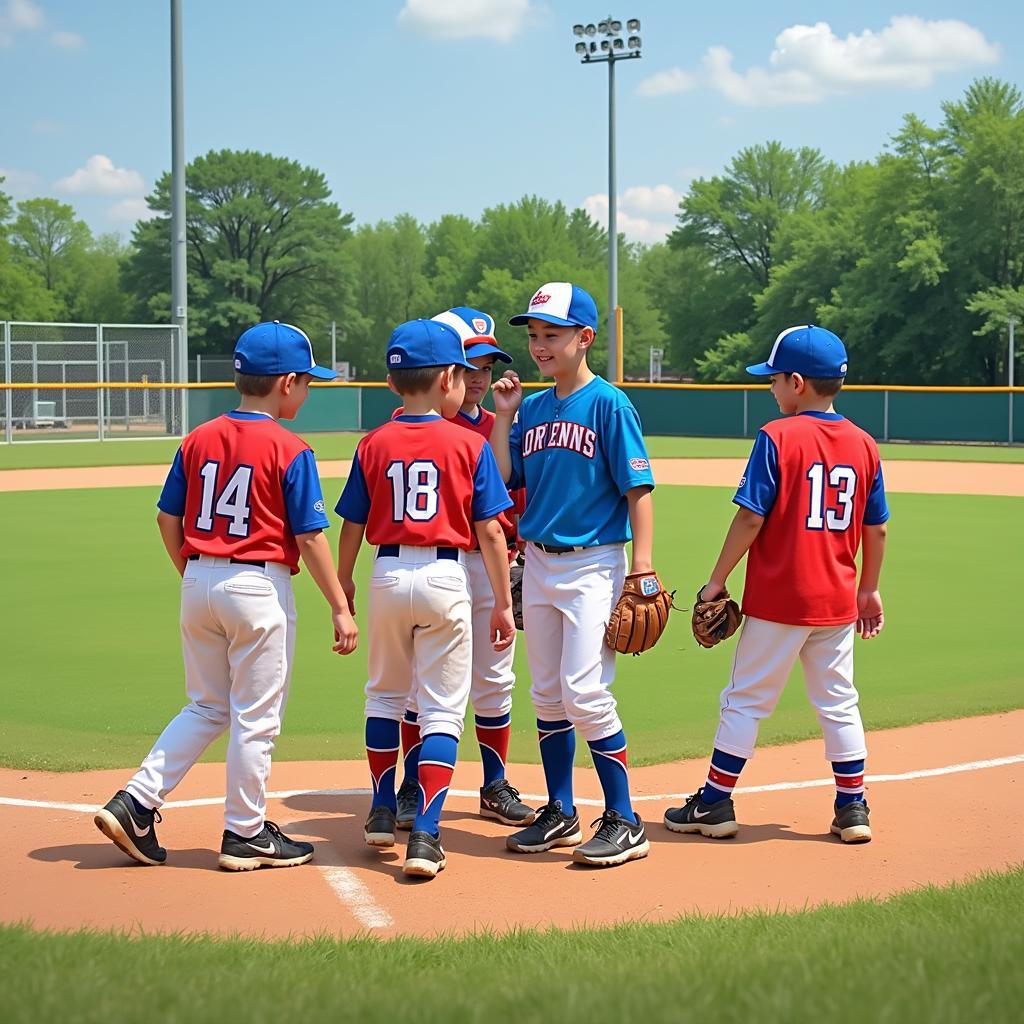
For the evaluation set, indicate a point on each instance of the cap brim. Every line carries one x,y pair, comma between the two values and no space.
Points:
474,350
322,373
762,370
522,319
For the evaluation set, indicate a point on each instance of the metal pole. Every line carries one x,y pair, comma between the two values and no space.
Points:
199,368
613,233
885,415
8,394
334,345
99,379
179,278
1009,375
746,412
650,364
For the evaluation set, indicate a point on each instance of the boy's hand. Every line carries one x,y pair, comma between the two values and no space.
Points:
508,392
503,627
346,633
870,616
348,585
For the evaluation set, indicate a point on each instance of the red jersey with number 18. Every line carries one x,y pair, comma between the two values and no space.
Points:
802,568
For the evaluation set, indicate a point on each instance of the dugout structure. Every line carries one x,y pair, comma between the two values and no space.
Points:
56,368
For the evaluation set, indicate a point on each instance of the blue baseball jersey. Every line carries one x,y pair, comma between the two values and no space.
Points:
577,457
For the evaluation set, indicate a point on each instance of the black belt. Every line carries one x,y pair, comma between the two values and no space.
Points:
234,561
394,550
557,549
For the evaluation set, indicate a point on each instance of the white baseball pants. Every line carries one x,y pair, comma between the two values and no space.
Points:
238,643
567,602
765,655
420,630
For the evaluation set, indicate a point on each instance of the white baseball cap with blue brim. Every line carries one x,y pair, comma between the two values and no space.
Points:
561,303
476,329
808,350
272,349
420,343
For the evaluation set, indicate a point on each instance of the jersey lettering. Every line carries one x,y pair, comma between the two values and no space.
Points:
560,434
232,504
413,490
842,480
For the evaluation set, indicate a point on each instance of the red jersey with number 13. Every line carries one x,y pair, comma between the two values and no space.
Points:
802,568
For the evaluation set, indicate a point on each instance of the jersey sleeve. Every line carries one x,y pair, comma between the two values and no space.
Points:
354,503
489,494
877,510
760,480
172,497
626,451
303,498
515,447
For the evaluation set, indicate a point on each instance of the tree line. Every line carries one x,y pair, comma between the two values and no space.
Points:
916,258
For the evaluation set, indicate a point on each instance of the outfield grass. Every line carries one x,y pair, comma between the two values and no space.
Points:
92,663
936,955
342,445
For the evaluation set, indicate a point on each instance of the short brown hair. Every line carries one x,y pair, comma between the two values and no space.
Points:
418,379
826,387
258,385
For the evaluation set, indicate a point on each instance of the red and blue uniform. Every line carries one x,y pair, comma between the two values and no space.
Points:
244,487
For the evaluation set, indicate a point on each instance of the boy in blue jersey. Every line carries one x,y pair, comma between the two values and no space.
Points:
579,451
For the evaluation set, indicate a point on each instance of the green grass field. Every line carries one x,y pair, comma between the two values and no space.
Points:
93,664
341,446
936,955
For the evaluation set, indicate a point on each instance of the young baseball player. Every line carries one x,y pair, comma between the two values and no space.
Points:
811,493
241,504
579,451
420,488
493,676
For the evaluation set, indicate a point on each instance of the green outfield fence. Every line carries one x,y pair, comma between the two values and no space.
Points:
981,415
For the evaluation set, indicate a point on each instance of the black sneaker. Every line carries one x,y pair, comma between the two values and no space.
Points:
616,841
132,832
500,800
851,823
424,856
408,804
550,828
717,820
380,827
269,848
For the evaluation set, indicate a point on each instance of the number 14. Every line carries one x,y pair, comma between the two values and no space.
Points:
843,479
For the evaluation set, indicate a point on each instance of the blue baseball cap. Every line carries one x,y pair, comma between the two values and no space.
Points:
561,303
476,330
809,350
272,348
419,343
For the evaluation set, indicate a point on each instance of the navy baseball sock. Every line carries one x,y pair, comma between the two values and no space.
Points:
849,781
611,763
723,775
382,754
437,762
557,750
411,744
492,733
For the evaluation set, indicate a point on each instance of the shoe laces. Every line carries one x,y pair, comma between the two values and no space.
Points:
610,823
504,788
273,829
407,789
549,814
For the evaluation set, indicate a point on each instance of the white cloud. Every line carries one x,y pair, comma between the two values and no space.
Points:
128,211
664,83
501,20
646,213
67,40
100,177
19,184
810,62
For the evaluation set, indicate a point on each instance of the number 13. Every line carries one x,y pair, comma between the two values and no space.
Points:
843,479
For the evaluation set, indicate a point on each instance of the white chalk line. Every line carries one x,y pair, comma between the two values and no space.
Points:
355,895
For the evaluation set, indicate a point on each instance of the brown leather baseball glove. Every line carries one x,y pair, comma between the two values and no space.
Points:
640,615
715,621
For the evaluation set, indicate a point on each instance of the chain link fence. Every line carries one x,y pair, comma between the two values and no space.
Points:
52,363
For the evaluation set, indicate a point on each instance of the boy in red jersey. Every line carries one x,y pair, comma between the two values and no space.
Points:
811,494
241,504
493,675
420,489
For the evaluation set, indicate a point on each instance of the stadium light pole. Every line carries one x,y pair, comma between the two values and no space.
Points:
608,49
179,278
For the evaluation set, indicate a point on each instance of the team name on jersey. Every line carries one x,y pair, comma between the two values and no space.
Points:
560,434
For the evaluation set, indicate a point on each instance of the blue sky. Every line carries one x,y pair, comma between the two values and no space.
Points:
436,106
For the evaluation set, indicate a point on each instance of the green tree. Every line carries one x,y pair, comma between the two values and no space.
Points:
23,293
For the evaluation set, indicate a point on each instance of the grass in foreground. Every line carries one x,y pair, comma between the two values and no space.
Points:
936,955
92,658
342,446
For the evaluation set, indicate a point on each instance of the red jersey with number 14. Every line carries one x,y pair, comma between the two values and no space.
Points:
826,479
